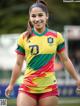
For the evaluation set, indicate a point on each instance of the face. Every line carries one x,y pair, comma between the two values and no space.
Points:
38,18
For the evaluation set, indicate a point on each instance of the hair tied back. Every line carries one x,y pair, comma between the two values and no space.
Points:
40,1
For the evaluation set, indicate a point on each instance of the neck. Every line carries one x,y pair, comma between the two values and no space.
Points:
41,30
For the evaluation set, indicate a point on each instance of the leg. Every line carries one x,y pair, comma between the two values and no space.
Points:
49,101
24,99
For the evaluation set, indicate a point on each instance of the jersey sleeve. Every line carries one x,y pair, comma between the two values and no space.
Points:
20,45
60,43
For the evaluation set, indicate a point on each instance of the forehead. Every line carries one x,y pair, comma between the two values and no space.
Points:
36,10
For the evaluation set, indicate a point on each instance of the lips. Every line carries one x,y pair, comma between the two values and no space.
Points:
38,22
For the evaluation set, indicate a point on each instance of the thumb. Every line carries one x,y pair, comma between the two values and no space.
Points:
8,92
78,90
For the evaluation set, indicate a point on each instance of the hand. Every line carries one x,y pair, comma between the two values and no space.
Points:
78,86
78,83
8,90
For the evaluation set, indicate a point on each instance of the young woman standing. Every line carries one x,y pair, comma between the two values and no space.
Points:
38,46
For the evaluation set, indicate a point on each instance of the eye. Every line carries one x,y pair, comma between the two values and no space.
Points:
33,15
40,15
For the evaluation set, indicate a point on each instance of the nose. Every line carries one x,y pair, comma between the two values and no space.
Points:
37,19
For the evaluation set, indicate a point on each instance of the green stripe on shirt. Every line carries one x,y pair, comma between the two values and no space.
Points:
20,49
60,46
40,60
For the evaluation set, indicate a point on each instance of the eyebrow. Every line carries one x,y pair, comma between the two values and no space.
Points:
38,13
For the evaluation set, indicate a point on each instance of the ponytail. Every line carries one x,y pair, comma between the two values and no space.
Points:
43,2
29,29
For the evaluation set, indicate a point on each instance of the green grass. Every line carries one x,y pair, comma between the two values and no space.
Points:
62,102
11,102
69,101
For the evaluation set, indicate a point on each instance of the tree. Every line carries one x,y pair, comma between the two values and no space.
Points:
14,15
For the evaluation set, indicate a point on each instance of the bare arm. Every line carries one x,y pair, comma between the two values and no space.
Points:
15,73
16,69
69,66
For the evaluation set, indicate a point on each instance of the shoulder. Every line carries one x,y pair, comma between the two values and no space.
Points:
23,35
53,33
60,35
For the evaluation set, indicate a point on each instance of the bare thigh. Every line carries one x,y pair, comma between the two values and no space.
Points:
49,101
24,99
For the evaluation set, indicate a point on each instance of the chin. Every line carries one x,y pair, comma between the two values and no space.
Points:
39,27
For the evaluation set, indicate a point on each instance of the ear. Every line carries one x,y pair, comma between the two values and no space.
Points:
47,17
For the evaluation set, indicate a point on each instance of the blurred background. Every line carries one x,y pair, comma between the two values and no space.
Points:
64,17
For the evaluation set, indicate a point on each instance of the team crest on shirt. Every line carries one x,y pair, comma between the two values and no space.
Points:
50,40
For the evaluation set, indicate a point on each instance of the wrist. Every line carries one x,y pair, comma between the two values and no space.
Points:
77,78
10,84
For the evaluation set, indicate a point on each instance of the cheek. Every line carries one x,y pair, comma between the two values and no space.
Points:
45,20
32,20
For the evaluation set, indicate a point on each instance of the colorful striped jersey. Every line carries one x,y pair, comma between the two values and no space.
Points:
39,51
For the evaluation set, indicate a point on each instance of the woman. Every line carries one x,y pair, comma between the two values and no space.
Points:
38,46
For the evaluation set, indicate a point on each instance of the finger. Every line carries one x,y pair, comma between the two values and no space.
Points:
7,93
78,90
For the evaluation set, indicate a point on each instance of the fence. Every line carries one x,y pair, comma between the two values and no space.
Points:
65,91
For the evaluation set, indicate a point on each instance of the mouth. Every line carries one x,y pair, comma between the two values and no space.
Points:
38,22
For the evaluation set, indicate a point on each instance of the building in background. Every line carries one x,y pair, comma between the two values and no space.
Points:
8,44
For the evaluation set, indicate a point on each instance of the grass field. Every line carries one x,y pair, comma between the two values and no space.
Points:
62,102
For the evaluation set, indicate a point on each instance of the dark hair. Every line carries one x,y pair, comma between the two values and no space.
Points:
41,4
